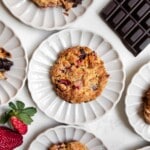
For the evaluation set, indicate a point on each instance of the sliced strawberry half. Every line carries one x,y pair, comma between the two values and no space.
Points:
18,125
9,139
18,116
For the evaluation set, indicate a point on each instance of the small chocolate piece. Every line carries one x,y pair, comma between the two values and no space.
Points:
76,2
5,64
83,54
130,19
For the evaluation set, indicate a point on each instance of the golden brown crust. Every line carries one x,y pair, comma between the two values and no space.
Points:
46,3
4,54
146,107
78,75
2,75
66,4
68,146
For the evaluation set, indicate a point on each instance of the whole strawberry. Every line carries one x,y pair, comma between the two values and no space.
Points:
9,139
18,116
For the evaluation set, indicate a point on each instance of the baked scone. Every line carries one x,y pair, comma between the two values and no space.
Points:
5,64
78,75
47,3
146,107
69,146
66,4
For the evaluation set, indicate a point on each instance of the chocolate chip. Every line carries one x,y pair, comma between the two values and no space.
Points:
76,2
94,87
8,54
83,54
5,64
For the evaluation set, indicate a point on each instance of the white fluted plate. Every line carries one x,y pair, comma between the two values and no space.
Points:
62,134
134,103
17,74
42,90
45,18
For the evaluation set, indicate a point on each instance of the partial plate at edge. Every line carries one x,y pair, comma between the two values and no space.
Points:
17,74
63,134
138,86
51,18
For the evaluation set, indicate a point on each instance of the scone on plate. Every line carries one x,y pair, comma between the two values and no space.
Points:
78,75
146,107
5,64
66,4
47,3
69,146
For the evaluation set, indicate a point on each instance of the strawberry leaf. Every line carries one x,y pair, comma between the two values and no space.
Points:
12,105
29,111
25,118
4,118
20,105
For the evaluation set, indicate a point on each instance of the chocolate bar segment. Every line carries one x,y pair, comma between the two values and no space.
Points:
124,28
131,3
117,17
112,5
142,44
130,19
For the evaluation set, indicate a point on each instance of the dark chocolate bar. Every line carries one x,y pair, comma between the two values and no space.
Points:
130,19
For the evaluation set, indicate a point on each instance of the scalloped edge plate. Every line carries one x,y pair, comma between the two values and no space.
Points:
41,88
24,10
139,84
17,75
62,134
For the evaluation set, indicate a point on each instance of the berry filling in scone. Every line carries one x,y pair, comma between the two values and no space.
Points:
78,75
